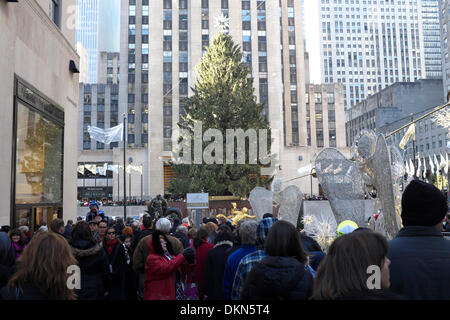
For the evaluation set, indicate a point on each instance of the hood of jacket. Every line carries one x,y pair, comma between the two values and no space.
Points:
85,248
280,274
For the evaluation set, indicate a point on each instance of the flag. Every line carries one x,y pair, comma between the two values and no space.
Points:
91,167
114,168
436,162
80,169
424,171
442,162
134,168
411,133
106,136
411,168
446,164
431,164
419,168
102,170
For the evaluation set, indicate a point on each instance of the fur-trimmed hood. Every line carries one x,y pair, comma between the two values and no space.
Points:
229,243
85,248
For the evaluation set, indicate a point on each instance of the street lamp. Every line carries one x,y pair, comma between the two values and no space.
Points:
142,168
130,161
124,167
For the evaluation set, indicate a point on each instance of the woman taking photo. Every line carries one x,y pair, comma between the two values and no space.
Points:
344,272
163,271
42,270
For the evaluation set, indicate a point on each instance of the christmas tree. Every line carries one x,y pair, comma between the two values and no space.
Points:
223,98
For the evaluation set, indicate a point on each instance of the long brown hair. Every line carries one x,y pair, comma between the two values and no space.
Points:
283,240
201,235
44,264
344,268
81,231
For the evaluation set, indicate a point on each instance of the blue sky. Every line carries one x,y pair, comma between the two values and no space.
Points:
312,35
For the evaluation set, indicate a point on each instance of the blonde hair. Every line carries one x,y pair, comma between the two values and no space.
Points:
210,227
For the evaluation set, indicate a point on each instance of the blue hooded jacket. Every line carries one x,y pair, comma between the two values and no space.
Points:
90,216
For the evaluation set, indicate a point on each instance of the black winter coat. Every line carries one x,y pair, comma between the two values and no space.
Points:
118,267
215,269
142,235
309,244
278,278
183,238
93,263
420,264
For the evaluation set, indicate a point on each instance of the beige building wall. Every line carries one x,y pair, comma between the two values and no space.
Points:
33,48
155,134
83,66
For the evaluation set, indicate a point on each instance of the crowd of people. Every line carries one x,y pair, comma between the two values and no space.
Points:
114,203
270,259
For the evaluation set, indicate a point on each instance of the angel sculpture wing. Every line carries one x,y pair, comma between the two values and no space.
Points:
384,184
342,184
261,201
290,204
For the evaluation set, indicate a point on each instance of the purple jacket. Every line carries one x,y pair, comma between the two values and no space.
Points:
17,249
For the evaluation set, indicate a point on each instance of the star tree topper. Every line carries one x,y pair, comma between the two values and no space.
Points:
222,23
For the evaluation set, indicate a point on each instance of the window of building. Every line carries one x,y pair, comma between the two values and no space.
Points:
318,97
56,12
38,154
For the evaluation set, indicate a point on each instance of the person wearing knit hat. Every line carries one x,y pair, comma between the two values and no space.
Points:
419,254
423,205
346,227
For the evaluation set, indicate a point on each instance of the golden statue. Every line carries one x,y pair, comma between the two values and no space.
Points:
237,215
241,215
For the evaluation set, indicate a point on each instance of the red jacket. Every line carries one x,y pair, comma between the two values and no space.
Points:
160,275
201,253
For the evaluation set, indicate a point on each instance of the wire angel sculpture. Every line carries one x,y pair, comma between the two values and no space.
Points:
289,201
346,183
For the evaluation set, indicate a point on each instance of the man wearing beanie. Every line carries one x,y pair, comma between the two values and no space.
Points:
419,254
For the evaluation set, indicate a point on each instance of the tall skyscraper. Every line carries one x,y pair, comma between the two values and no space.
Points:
97,29
87,33
163,42
368,44
444,18
431,39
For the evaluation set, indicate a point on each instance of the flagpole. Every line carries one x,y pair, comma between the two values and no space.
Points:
414,150
124,169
